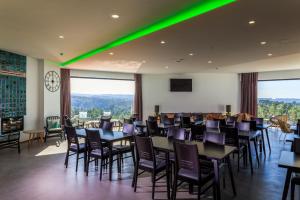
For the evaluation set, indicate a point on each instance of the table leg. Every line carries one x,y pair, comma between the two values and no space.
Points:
286,184
168,174
85,155
217,179
263,142
267,133
256,153
110,161
250,156
231,175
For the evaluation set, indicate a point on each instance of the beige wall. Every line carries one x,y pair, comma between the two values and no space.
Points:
288,74
211,92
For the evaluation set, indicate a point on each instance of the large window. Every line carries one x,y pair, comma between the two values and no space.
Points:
91,98
279,97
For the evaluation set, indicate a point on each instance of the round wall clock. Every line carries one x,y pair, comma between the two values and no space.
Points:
52,81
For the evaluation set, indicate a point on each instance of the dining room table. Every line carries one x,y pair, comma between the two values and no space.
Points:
290,161
216,153
109,137
161,126
264,129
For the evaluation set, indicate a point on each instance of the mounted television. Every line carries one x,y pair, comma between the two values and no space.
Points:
181,85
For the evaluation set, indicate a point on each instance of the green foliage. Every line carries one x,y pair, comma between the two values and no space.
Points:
269,108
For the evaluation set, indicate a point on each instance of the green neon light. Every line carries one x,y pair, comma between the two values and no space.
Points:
193,11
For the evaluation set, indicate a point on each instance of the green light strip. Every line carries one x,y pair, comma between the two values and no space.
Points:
197,9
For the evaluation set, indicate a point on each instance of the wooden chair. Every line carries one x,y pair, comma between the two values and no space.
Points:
73,146
188,169
285,129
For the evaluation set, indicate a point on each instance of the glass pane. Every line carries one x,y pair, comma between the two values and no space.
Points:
92,98
279,97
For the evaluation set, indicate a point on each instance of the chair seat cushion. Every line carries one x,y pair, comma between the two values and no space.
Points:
189,174
55,130
160,164
73,147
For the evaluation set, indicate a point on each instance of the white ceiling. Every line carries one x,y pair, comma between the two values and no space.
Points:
224,36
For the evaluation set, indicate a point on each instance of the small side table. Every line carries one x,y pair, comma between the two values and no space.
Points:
33,134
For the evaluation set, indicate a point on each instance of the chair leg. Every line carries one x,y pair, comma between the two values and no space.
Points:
136,170
239,161
77,158
292,191
88,164
256,152
174,189
199,192
153,184
101,164
67,159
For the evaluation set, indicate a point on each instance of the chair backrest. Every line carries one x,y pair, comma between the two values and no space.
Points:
252,124
197,132
93,139
176,133
258,120
144,149
214,138
128,129
107,126
212,126
168,121
187,158
104,119
128,121
185,121
51,119
152,128
231,136
243,126
152,118
284,126
67,121
231,119
71,135
296,145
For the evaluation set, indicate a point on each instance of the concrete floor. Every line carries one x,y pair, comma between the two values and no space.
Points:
38,173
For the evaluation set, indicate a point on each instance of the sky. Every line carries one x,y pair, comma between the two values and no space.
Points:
101,86
279,89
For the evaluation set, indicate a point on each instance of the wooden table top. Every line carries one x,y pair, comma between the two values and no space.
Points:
290,160
108,136
208,150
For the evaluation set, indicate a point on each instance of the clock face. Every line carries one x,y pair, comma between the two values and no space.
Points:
52,81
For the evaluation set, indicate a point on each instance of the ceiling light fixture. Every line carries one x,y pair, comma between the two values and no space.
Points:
209,62
263,43
191,54
114,16
111,53
251,22
163,42
194,10
269,54
61,37
167,67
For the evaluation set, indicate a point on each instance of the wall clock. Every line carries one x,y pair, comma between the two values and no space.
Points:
52,81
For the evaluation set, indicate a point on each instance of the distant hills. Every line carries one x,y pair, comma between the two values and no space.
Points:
117,104
283,100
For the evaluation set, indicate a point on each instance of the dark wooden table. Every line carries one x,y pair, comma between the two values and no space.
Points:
290,161
215,153
161,126
109,137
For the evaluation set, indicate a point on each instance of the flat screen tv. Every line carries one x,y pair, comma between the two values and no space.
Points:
181,85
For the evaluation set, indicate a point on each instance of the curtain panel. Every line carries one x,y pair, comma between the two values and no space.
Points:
138,97
249,93
65,94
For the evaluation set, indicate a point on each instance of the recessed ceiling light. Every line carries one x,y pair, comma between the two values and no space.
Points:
263,43
167,67
251,22
163,42
111,53
209,62
143,61
115,16
191,54
61,37
269,54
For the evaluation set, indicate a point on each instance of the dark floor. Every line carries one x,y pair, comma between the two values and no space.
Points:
38,173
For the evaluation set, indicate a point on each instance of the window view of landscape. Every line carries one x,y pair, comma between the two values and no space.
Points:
91,98
279,97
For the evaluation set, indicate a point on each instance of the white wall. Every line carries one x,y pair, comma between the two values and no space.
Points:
51,99
211,92
288,74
